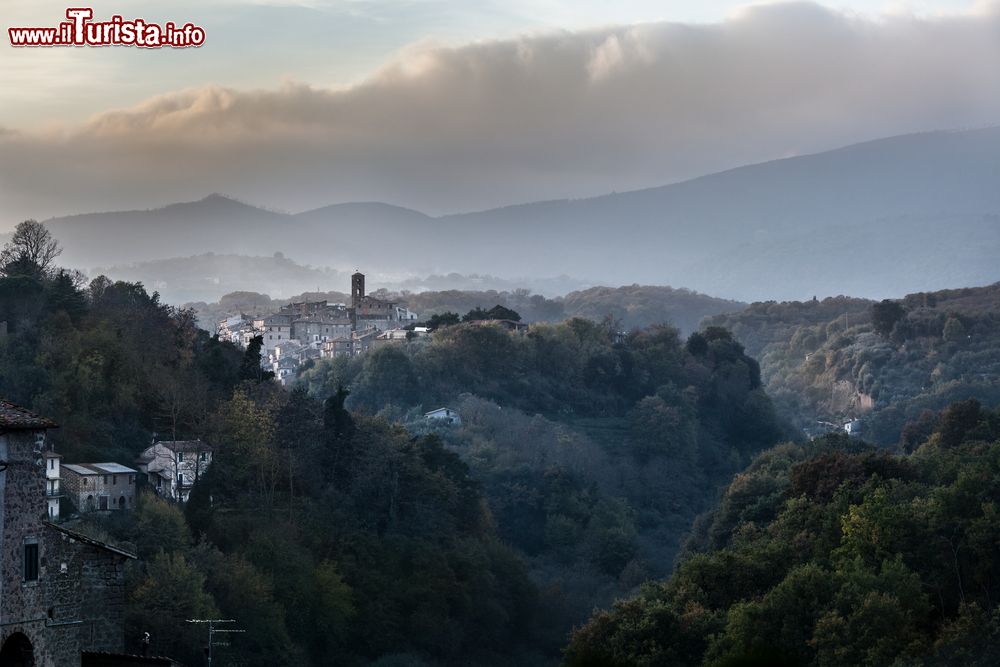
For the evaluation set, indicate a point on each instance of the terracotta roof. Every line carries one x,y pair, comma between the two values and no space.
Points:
14,417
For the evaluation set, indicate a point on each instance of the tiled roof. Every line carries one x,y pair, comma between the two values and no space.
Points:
98,468
80,537
185,445
14,417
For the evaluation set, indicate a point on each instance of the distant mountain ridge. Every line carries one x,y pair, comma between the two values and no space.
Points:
882,218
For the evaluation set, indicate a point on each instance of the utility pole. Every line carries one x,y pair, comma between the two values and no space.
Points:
212,631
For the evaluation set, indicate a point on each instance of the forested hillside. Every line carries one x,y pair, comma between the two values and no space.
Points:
330,537
594,452
884,362
835,553
335,524
831,220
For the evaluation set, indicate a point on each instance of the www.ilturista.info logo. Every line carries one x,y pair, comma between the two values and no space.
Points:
80,30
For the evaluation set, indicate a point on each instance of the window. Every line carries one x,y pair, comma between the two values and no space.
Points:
180,457
31,561
105,479
52,464
131,479
114,479
204,456
180,479
85,481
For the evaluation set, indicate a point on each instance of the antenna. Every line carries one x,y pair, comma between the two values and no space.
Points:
212,622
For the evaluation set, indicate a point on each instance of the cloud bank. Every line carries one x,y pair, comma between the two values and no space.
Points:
543,116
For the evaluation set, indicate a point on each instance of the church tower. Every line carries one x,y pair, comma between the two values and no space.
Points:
357,289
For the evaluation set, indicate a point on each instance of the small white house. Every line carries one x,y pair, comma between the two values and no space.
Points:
444,415
173,466
853,428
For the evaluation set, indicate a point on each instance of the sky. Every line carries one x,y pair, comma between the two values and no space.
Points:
451,105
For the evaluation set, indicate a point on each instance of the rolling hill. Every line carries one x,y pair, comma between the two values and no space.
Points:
883,218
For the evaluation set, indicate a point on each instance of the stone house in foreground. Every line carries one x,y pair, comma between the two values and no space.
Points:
61,593
173,466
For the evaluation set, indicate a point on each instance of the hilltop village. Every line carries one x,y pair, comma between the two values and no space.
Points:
319,329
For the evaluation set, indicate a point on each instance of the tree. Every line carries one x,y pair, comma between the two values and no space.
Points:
31,251
172,592
885,315
954,330
697,345
63,295
497,312
439,320
957,420
160,527
251,369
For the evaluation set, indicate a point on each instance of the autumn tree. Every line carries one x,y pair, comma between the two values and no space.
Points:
31,251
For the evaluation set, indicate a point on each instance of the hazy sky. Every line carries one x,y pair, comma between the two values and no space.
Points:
454,104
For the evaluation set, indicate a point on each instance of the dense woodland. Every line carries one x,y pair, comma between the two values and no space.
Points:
338,526
594,451
335,525
834,553
912,357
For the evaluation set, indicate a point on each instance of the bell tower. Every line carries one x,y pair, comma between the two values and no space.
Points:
357,289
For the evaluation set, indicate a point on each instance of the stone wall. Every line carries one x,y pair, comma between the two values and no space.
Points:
79,487
24,606
78,599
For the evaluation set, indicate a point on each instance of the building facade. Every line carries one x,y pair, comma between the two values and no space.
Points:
172,467
61,593
444,416
274,330
99,487
53,483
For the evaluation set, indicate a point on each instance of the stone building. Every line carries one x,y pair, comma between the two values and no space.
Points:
99,486
274,330
314,330
359,342
368,312
61,593
173,466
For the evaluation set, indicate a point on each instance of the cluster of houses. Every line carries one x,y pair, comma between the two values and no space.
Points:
63,592
318,329
169,467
